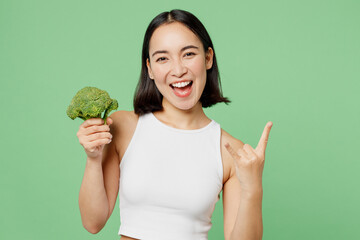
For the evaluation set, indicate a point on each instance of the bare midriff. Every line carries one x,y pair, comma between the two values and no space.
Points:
127,238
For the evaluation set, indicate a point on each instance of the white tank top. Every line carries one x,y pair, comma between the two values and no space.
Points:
170,181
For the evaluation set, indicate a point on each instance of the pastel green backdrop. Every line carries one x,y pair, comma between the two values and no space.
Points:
295,63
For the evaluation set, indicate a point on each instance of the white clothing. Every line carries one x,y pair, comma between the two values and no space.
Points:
170,181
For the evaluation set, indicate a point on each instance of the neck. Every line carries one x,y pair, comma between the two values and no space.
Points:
193,118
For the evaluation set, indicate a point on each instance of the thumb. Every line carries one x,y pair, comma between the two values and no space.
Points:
109,121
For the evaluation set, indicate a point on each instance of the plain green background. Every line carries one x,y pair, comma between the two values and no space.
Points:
295,63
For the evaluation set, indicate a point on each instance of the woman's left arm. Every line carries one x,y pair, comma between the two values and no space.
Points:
249,165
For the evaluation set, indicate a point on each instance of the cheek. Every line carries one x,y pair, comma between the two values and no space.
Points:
159,73
198,65
199,69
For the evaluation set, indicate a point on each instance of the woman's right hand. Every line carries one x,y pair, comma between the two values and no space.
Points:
93,135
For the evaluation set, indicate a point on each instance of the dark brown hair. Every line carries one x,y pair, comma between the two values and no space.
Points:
147,97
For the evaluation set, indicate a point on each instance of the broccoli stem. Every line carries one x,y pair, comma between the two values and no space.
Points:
106,113
104,121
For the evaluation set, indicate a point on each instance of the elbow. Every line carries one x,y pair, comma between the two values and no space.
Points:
93,229
93,224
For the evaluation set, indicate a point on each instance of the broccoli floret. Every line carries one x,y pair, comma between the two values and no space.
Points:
90,102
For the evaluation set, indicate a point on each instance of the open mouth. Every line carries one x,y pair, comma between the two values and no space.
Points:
181,84
182,89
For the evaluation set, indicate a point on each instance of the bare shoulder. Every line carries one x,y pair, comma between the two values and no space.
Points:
120,116
123,119
123,128
227,138
228,162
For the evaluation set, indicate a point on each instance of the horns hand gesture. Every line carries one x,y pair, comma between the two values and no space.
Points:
249,162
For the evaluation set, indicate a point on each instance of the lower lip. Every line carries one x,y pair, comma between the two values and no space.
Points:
183,93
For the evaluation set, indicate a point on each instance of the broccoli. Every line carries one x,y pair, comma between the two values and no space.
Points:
90,102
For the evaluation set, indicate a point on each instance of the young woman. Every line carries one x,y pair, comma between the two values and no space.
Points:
166,159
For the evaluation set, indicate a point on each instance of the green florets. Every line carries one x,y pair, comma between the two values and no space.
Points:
90,102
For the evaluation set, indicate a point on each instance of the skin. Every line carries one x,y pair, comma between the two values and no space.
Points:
178,64
243,165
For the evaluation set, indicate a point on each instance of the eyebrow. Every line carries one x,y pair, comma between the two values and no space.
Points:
183,49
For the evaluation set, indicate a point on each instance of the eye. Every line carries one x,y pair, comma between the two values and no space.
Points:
160,59
189,54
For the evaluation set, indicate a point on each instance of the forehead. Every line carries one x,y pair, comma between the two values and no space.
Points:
173,36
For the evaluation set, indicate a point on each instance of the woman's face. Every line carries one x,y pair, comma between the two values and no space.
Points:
178,64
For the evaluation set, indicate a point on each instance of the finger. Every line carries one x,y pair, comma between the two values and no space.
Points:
242,153
98,143
96,128
97,136
231,151
264,138
109,121
92,121
250,152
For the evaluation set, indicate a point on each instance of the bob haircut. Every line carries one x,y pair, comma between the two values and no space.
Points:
147,97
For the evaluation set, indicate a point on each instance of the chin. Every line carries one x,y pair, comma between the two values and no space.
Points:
186,105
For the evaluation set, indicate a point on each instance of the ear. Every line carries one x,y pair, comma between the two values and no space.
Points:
209,58
149,69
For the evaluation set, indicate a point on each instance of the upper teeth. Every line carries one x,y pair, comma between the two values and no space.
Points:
180,84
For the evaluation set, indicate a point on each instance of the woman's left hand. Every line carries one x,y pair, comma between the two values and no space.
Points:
249,163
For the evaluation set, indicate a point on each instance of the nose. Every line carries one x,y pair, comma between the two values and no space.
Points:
178,68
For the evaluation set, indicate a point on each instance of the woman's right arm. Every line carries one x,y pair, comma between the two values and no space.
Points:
99,187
